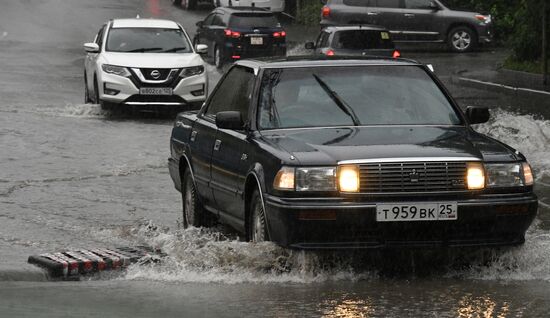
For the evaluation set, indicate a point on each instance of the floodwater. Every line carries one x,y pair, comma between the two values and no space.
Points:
73,176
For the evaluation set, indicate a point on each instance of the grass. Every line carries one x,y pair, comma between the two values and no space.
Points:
524,66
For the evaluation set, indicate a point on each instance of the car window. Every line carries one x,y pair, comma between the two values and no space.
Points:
377,95
218,20
233,93
140,40
360,3
209,18
322,41
362,40
253,20
388,3
99,37
417,4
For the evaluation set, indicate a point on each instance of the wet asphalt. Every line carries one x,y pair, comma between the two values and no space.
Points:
74,176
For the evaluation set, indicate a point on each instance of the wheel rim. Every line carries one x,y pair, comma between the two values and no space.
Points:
188,205
461,40
258,232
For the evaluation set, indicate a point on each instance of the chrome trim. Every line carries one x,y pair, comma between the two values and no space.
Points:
362,126
414,32
408,159
170,76
155,103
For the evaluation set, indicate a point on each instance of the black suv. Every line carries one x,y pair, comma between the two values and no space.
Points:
414,21
362,153
234,33
354,40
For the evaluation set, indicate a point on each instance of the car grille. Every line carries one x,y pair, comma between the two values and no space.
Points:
172,81
412,177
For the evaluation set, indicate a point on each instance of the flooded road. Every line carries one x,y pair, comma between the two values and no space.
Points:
73,176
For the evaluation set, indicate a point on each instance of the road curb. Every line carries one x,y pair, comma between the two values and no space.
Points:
507,89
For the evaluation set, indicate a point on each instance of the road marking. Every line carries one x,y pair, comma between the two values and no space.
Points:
529,90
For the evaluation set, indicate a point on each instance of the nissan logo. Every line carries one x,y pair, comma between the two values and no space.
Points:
155,74
414,176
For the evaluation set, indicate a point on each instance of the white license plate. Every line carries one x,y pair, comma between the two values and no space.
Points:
256,40
399,212
155,91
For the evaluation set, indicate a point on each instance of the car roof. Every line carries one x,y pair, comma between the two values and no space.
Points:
309,61
243,10
355,27
144,23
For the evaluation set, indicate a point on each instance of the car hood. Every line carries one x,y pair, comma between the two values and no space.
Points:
152,60
328,146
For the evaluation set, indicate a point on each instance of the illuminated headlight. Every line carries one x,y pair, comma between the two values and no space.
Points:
192,71
348,178
509,175
475,178
116,70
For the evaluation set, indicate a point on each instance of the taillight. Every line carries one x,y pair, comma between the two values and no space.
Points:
232,34
325,12
396,54
281,34
330,53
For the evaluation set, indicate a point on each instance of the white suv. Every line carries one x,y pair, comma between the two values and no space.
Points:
144,62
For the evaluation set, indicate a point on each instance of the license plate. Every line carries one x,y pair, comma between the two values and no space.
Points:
402,212
155,91
256,40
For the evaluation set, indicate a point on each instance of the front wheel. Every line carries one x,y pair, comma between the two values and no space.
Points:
193,212
462,39
218,59
257,223
87,98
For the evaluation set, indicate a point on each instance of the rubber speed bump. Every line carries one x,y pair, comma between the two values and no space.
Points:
71,264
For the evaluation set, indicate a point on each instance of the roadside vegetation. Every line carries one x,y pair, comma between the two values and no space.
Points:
518,25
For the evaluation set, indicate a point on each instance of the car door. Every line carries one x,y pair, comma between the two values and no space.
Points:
202,36
419,19
230,157
390,16
91,59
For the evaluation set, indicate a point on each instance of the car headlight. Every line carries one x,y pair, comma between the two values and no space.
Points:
192,71
483,18
348,178
475,176
509,175
116,70
316,179
344,178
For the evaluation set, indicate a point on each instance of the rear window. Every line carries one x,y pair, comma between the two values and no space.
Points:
362,40
360,3
253,21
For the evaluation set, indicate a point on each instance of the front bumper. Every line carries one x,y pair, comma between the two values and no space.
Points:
481,222
184,93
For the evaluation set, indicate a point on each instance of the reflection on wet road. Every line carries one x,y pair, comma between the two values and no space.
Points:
74,176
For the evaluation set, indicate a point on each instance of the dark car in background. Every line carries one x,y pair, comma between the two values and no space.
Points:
234,33
351,40
422,21
348,153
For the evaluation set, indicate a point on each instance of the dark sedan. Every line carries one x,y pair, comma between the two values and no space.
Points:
348,153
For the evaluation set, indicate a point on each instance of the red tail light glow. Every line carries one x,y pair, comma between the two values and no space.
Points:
325,12
232,34
330,53
281,34
396,54
236,57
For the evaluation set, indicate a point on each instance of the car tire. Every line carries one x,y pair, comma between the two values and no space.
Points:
189,4
192,210
87,98
257,222
218,58
462,39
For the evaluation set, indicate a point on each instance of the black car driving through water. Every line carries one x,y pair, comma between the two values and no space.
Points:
234,33
351,40
348,153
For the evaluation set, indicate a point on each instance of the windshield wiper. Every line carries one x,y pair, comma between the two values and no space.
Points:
175,49
338,101
149,49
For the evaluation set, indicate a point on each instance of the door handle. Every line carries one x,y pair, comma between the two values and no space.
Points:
193,135
217,145
180,124
409,15
372,13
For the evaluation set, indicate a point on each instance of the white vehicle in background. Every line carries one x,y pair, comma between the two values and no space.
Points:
144,62
271,5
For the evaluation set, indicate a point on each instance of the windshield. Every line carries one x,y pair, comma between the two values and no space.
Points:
140,40
362,40
352,96
253,20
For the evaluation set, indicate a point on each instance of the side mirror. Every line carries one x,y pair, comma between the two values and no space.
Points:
199,24
229,120
477,114
430,67
91,47
434,6
201,48
310,46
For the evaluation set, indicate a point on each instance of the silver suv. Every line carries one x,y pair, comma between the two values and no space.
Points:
414,21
